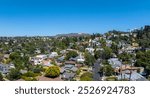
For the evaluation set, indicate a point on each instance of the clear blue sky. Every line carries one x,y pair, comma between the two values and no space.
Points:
50,17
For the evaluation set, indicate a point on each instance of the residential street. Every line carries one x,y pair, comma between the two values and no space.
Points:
96,76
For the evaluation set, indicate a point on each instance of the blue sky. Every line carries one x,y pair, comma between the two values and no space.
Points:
51,17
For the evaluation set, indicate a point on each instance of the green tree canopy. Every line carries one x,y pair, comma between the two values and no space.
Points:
71,54
125,57
143,60
1,77
107,70
114,48
14,56
86,77
14,74
52,72
89,59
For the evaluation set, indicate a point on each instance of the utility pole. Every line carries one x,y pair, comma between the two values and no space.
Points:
132,63
121,70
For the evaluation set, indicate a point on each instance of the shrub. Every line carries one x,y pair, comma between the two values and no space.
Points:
86,77
29,78
52,72
29,74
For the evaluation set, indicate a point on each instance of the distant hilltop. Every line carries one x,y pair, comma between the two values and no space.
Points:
72,35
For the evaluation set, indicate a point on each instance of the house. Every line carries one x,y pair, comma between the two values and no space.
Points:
133,76
63,51
125,34
108,43
68,72
6,56
74,69
114,62
46,63
41,57
23,71
37,51
4,68
61,59
53,55
90,50
68,76
70,63
80,58
68,67
37,60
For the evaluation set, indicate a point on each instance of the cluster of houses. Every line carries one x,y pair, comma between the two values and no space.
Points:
126,71
69,68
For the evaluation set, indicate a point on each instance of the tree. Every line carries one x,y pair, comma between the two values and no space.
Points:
114,48
107,53
14,74
143,60
71,54
125,57
19,64
107,70
1,77
14,56
89,59
18,60
86,77
98,54
103,42
52,72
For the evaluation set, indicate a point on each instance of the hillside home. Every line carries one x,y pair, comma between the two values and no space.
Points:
90,50
53,55
37,60
114,62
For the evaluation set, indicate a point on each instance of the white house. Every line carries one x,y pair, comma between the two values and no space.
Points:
90,50
53,55
80,58
63,51
37,60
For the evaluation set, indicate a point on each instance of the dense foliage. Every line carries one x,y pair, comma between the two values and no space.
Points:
143,60
71,54
86,77
1,77
52,72
89,59
14,74
107,70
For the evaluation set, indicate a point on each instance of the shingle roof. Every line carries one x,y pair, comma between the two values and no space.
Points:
134,76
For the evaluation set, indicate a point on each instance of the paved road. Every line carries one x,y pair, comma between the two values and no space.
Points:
96,75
